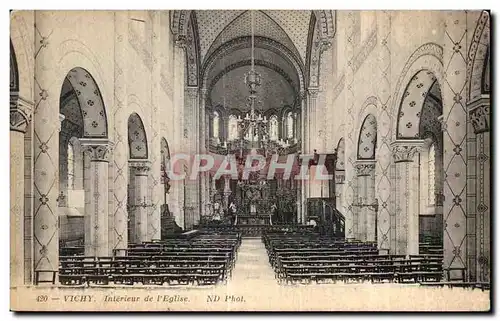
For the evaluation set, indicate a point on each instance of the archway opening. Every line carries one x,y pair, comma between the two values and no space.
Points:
420,120
83,122
365,214
137,202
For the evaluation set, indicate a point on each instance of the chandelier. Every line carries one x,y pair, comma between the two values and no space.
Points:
253,129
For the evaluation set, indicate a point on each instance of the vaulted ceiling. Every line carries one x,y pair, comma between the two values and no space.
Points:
218,44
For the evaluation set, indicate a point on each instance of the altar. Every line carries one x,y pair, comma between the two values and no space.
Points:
253,219
256,206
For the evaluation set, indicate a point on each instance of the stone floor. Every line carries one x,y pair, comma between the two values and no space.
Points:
252,263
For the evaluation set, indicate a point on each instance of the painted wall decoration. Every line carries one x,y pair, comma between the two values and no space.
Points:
137,140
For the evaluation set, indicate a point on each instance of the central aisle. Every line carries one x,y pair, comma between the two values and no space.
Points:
252,263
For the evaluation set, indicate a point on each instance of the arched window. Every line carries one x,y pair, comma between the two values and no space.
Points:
273,128
71,166
432,174
216,124
289,125
233,128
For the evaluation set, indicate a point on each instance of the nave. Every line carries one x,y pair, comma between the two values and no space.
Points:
400,117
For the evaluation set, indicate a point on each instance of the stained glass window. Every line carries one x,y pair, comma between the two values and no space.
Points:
289,125
233,128
216,124
273,128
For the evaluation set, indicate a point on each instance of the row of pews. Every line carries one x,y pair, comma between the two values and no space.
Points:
204,259
305,258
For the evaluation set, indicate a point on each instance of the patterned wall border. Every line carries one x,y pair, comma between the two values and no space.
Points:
365,50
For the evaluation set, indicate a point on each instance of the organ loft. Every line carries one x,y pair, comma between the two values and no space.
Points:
157,147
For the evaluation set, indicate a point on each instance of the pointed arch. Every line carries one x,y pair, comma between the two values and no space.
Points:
137,139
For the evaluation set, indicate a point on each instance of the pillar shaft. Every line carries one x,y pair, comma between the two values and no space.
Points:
366,198
141,201
155,186
303,139
20,115
192,202
45,151
96,207
479,113
454,139
202,131
384,116
405,155
120,154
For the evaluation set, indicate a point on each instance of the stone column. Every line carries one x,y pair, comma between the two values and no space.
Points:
454,138
120,150
192,189
97,209
303,139
351,34
405,155
227,190
20,116
479,113
384,119
141,202
312,96
45,150
155,188
339,189
366,197
176,196
204,187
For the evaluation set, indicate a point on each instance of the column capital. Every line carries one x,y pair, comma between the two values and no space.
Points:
192,92
98,149
21,111
365,167
339,176
405,150
142,167
313,92
479,113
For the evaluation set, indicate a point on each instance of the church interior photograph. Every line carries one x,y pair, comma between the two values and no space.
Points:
297,148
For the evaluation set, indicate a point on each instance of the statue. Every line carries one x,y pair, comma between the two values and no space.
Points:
217,212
